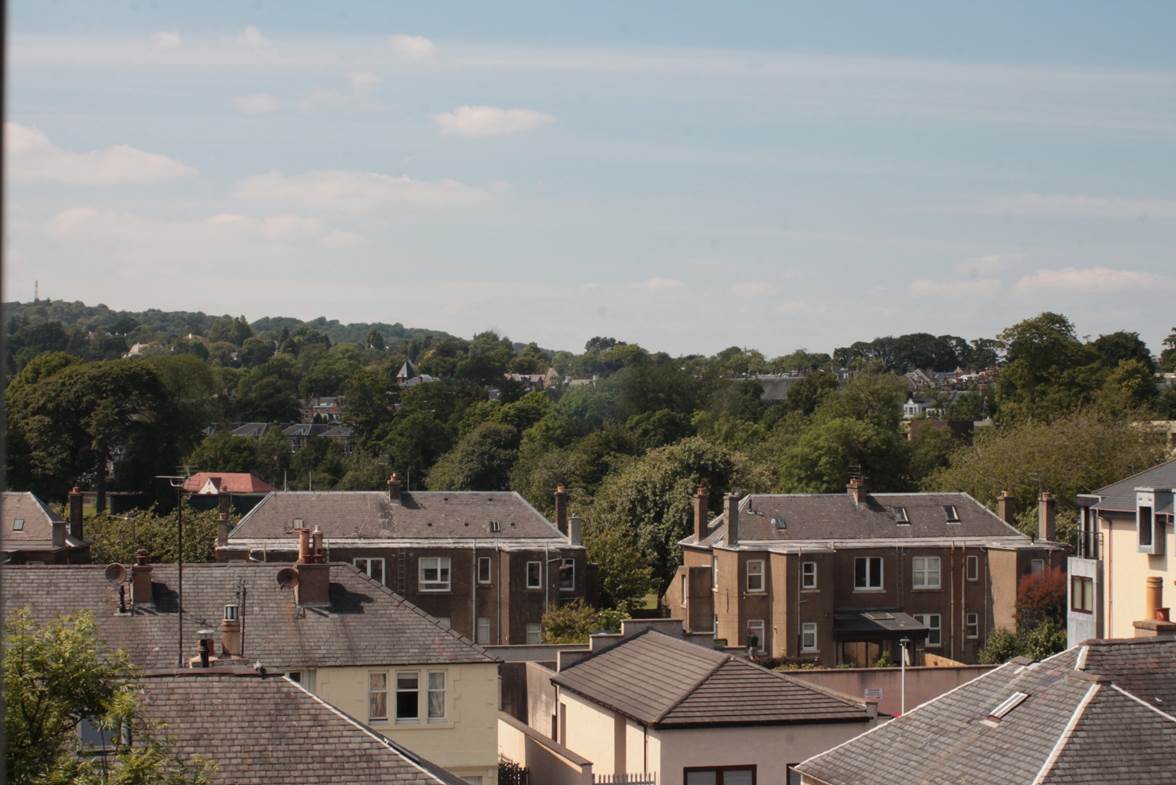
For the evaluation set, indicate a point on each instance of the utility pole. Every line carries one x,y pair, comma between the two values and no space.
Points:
177,481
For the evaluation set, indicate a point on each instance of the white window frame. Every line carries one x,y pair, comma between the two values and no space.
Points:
372,716
951,513
569,564
881,574
935,630
366,567
973,567
805,583
806,629
538,575
971,622
922,575
537,629
18,524
429,692
482,626
408,720
442,565
488,579
758,574
756,627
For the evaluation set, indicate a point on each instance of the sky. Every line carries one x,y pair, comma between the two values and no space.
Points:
686,175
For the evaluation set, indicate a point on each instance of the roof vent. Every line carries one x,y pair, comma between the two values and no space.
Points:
495,526
1009,703
900,515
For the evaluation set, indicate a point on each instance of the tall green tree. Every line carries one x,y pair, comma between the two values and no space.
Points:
480,461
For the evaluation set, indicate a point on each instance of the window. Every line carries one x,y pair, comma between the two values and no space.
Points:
373,568
755,575
96,740
951,513
808,575
682,587
973,568
567,575
925,572
972,625
534,575
483,569
483,630
1081,594
934,624
408,696
18,524
900,515
1144,515
720,775
534,634
867,573
434,573
1148,527
436,696
808,637
377,695
1036,566
755,632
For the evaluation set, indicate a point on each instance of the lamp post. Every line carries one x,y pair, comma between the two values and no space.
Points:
903,642
177,481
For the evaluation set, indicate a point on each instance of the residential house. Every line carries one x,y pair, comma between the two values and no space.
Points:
257,727
657,708
232,483
253,430
842,579
346,638
1125,531
34,534
1098,713
300,434
340,435
486,562
322,409
408,376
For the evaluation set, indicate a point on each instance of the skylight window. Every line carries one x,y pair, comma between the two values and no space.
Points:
900,515
779,523
952,514
18,524
1009,703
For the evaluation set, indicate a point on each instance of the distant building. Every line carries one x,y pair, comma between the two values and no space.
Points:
34,534
408,376
232,483
322,409
254,430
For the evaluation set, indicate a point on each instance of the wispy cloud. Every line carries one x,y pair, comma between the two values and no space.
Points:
1092,280
32,156
975,287
413,47
352,191
987,265
490,121
251,37
753,289
356,94
165,41
1074,206
257,103
658,284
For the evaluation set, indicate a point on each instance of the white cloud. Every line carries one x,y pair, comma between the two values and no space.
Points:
490,120
31,156
657,284
341,239
252,38
357,191
1075,206
1092,280
362,80
357,94
413,47
165,40
974,287
256,103
753,289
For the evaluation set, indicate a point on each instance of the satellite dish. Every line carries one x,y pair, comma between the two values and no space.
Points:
287,578
115,573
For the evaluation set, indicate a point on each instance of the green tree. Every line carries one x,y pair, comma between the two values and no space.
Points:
57,675
1128,388
573,622
1000,647
1168,356
829,450
1047,370
234,331
625,574
1121,346
115,538
414,442
223,452
480,461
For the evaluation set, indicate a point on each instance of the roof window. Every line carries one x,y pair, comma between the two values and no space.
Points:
1009,703
18,524
951,513
779,523
900,515
495,526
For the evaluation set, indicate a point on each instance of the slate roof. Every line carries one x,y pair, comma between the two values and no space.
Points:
365,624
228,482
270,730
253,429
1098,713
36,533
1121,495
831,517
371,515
667,682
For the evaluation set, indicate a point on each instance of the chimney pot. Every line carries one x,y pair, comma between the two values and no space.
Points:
701,502
561,509
76,501
394,488
1154,597
731,516
230,628
1046,517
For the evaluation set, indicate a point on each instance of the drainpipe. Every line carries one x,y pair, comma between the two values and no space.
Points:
951,606
546,578
474,592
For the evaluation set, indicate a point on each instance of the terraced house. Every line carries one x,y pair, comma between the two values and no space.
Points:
845,578
486,563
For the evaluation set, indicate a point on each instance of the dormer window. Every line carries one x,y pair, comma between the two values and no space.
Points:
951,513
1149,530
900,515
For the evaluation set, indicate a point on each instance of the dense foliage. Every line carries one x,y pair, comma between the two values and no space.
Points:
115,538
573,622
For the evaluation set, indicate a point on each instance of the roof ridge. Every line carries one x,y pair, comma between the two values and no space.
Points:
1141,701
690,690
841,696
1067,732
1095,492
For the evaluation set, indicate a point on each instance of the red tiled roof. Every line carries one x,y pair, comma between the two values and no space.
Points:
227,482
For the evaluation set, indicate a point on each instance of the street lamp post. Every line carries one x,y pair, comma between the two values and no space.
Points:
177,481
903,642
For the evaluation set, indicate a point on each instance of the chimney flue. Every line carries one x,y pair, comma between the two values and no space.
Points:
701,503
731,516
1046,517
75,513
394,488
561,509
1004,508
1156,622
314,574
856,488
141,580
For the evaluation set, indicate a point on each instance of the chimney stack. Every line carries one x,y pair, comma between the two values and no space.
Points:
1004,508
1046,517
1156,622
75,513
314,574
394,488
231,632
222,518
561,509
576,530
731,515
701,502
59,528
857,490
141,580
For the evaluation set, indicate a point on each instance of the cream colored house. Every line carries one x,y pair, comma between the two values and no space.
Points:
661,709
1125,536
348,639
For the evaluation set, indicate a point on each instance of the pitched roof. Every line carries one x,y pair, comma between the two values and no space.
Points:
36,529
785,518
1121,495
226,482
667,682
372,515
1098,713
266,729
365,624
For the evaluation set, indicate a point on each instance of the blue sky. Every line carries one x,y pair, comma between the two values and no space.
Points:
684,175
